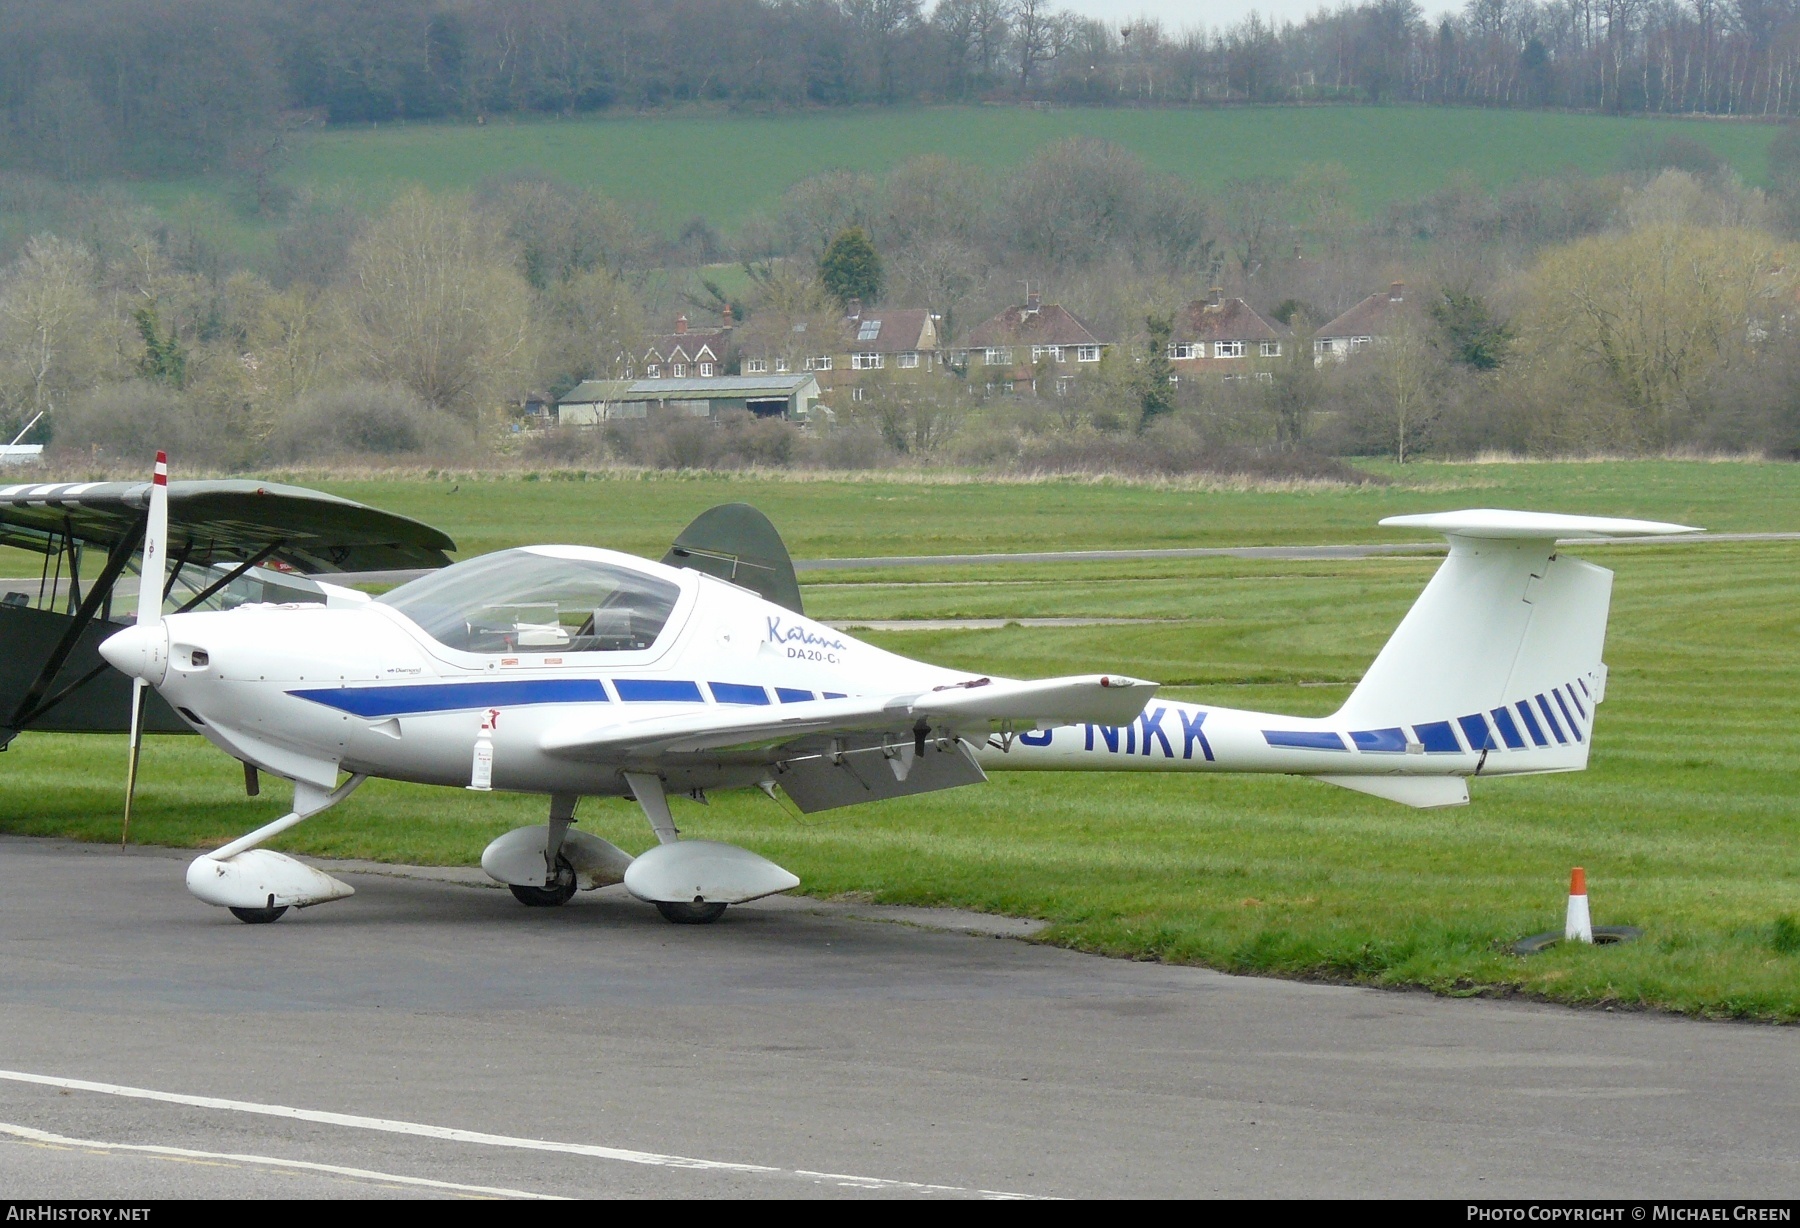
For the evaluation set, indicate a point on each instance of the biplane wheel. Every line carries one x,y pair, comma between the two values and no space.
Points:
678,913
258,916
558,893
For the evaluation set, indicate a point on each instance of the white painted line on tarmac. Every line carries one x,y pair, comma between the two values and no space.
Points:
451,1134
28,1134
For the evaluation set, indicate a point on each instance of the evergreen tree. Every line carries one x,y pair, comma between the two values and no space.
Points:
1158,394
851,268
1469,332
164,361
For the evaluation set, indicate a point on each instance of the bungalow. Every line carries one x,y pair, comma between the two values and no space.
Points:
1370,321
1225,336
766,396
1023,343
684,354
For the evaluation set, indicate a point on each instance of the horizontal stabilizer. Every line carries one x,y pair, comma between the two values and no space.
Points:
1423,792
1493,524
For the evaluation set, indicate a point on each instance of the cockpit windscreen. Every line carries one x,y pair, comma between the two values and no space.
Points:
521,601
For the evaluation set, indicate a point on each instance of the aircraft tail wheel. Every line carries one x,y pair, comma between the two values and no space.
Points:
689,914
258,916
559,892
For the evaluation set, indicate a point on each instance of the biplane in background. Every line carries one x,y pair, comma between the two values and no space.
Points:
230,543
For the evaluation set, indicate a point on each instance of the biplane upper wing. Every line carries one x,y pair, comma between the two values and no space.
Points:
220,532
224,521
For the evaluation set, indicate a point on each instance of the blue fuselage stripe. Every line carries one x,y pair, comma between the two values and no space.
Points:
1298,739
418,697
738,693
657,691
1380,741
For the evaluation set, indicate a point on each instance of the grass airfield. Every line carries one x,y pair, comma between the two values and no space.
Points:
1684,821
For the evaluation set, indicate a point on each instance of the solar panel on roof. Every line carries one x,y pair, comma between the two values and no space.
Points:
870,330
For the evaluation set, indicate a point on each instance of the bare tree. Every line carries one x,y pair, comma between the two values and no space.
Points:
49,325
435,304
1404,367
587,327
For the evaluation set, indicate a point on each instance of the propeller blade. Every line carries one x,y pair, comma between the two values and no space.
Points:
149,614
156,547
138,687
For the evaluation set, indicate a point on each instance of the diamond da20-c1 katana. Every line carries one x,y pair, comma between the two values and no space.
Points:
574,672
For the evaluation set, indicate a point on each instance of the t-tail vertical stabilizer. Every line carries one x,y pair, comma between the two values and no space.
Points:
1502,651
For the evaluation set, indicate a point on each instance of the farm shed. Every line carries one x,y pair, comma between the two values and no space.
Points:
766,396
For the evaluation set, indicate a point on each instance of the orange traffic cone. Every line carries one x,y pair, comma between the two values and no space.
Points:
1578,926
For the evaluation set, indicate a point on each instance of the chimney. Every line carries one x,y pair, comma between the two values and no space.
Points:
1033,301
727,314
680,324
853,308
1397,292
1215,298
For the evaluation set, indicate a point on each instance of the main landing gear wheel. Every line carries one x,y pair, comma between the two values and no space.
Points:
559,892
258,916
689,914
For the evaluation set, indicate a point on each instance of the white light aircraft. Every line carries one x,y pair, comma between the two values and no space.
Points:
574,672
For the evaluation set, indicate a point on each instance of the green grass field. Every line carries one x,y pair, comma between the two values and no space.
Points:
1685,820
725,167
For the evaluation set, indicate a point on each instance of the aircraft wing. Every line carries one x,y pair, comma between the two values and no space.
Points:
223,521
837,752
963,708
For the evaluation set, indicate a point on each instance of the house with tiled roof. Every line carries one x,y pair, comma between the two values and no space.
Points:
1364,325
1028,343
685,353
1225,337
899,339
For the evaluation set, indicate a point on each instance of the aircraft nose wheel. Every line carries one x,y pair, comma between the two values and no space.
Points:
680,913
558,892
258,916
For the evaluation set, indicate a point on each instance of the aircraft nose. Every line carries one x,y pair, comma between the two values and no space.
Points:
141,652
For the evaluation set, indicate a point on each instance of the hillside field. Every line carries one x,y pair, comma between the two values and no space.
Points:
725,167
1685,820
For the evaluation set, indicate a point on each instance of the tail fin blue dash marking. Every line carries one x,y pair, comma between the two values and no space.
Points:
1475,729
1573,727
1438,738
1531,723
1562,739
1503,721
1576,699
